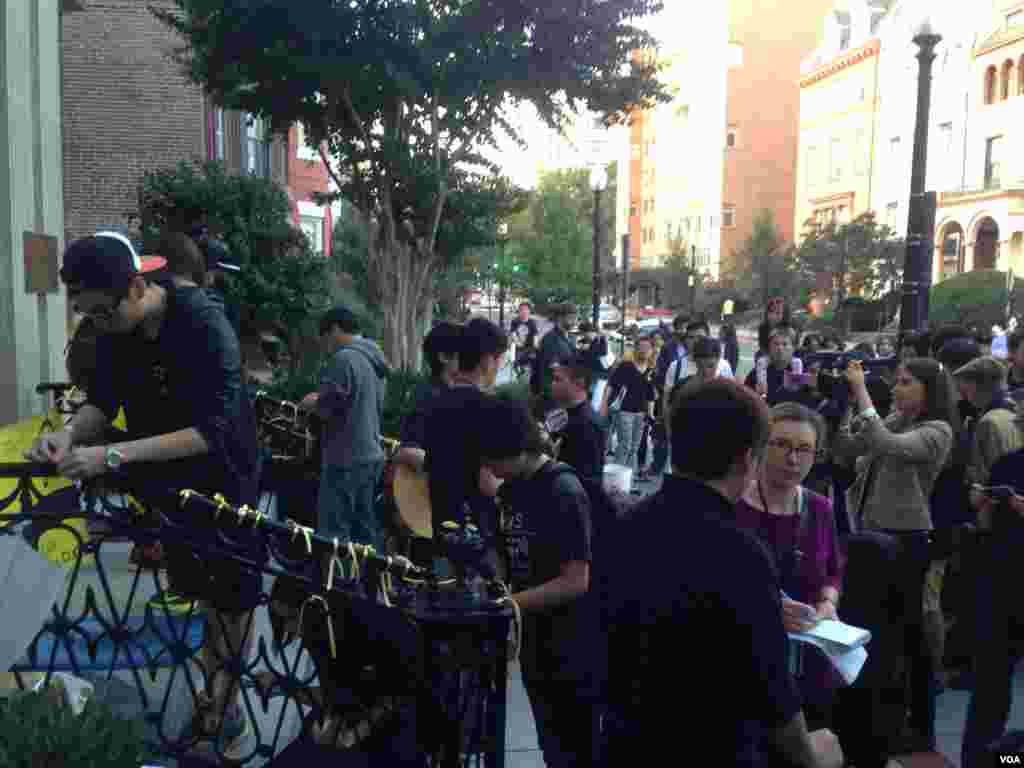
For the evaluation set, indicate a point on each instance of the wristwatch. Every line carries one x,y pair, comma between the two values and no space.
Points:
114,459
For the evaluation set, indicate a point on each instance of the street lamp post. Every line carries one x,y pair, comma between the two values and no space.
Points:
692,280
598,180
502,237
625,279
918,268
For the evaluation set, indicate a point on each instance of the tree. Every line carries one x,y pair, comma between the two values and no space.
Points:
762,260
861,255
400,95
283,286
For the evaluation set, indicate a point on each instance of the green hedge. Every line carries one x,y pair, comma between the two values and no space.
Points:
37,731
973,298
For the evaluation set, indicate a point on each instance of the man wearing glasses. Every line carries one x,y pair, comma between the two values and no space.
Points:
168,356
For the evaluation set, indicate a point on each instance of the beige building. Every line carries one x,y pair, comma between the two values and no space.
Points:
839,106
980,225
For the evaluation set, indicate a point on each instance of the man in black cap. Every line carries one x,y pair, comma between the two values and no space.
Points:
219,264
555,347
169,358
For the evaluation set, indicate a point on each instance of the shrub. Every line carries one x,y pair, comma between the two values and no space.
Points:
283,286
973,298
37,731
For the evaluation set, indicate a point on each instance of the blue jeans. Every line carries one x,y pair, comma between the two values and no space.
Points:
346,503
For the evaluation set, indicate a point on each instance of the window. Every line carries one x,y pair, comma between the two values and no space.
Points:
1014,18
728,217
894,151
1007,78
730,137
891,210
945,147
218,134
812,162
632,210
860,160
836,159
255,147
302,151
990,85
993,161
314,230
1020,74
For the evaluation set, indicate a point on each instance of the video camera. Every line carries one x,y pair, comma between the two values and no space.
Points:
879,373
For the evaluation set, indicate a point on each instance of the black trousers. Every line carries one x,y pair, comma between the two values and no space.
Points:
998,616
567,715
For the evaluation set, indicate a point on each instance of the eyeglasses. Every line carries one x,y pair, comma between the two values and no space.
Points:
802,451
99,312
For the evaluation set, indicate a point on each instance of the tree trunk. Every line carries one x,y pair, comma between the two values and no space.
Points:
402,279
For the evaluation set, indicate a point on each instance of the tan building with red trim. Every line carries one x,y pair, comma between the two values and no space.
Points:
839,102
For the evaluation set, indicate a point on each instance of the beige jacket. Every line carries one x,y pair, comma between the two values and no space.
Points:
998,433
908,459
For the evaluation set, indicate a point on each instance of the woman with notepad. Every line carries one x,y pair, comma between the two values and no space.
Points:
798,528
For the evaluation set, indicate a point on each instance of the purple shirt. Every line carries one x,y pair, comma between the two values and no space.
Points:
821,566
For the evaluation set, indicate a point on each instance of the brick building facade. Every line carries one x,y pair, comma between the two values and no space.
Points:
128,108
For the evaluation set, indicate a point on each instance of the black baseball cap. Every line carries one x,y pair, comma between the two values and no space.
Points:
218,256
106,262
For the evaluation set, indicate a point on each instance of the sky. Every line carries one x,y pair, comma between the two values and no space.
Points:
673,26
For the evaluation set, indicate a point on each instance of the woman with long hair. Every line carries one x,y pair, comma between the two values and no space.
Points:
775,311
898,461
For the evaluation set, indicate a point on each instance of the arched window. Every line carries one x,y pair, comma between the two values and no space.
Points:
990,85
1007,78
1020,77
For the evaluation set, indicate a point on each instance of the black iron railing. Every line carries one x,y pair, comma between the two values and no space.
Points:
350,650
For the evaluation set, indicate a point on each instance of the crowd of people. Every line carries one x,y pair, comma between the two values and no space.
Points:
776,495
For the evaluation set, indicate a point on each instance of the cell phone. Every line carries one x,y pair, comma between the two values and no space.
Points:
997,492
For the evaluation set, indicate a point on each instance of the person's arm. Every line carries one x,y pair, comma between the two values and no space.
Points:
88,425
336,388
415,458
666,396
572,582
568,530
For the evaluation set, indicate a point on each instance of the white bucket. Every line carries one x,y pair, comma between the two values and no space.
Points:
618,478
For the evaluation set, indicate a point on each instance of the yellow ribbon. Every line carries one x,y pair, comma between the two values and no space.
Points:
222,504
185,494
330,568
307,534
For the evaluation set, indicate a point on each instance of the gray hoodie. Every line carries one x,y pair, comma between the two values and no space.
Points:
351,403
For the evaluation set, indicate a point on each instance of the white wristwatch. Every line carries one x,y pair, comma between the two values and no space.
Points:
114,459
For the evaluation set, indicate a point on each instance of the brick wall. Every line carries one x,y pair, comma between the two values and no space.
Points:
127,109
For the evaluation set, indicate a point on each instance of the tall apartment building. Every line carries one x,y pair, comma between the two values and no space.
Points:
703,166
671,157
127,109
770,39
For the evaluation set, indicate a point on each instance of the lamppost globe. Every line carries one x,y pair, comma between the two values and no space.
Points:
598,179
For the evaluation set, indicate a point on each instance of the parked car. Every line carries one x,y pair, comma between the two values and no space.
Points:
607,315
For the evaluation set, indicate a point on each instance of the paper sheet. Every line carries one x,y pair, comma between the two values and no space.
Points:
29,586
841,643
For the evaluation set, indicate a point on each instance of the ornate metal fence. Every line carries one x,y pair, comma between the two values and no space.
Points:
350,651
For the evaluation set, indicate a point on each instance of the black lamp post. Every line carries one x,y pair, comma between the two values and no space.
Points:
917,271
625,279
598,180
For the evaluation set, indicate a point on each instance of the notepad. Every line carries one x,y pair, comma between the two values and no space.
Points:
843,644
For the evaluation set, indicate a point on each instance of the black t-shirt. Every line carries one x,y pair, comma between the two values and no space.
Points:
640,390
556,512
584,441
695,606
453,458
414,427
524,334
189,376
